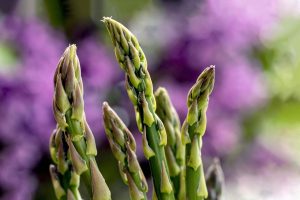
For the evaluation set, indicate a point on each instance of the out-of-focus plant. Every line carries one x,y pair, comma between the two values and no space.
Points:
280,58
174,157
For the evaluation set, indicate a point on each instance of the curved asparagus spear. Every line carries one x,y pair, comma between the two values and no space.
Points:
65,180
215,181
123,147
68,108
193,129
140,91
175,150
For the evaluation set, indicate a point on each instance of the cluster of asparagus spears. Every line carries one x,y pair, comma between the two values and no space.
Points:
173,151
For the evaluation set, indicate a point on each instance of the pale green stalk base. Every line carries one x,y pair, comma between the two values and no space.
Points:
193,176
156,163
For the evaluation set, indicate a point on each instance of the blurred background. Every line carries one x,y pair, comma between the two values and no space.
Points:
254,112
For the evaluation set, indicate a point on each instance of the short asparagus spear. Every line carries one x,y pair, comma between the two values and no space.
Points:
68,108
215,181
175,150
193,129
140,91
123,147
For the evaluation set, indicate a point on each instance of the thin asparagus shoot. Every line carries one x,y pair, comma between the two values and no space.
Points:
192,131
175,150
123,146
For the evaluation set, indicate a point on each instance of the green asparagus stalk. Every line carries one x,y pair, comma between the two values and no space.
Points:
140,91
215,181
64,178
193,129
175,150
68,108
123,147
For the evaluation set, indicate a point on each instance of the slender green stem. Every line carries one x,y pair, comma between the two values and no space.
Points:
155,161
193,130
194,178
123,146
175,150
140,91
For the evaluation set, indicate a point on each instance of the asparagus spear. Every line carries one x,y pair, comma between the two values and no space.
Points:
123,147
140,91
193,129
68,108
175,150
215,181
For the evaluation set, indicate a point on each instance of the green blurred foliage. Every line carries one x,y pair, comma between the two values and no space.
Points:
281,59
77,17
278,123
8,58
122,9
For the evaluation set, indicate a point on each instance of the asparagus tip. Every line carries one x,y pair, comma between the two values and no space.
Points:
215,179
105,105
204,84
70,51
216,161
105,19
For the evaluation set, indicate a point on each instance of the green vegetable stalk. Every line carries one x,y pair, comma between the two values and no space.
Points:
123,146
175,150
140,91
78,146
193,129
215,181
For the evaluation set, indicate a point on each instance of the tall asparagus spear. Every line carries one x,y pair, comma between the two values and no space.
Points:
175,150
68,108
215,181
123,147
193,129
140,91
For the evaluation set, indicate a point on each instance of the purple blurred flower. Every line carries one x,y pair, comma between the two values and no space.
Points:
16,161
97,69
240,86
233,25
21,186
26,96
28,92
